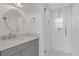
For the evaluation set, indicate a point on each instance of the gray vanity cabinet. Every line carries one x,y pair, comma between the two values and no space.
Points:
27,51
30,48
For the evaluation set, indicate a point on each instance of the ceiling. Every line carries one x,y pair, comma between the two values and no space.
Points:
54,6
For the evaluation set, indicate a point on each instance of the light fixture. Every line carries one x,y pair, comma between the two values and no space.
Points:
19,5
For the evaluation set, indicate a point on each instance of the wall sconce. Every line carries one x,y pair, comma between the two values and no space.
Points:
33,19
2,19
20,5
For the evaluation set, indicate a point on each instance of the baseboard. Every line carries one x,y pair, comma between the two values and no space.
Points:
55,52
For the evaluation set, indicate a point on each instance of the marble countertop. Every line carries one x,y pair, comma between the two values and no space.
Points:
5,44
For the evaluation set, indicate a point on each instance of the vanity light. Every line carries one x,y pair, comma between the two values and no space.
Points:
18,5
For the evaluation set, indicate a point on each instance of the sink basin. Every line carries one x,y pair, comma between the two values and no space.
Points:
16,36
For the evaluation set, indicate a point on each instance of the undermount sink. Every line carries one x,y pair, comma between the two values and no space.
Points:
16,36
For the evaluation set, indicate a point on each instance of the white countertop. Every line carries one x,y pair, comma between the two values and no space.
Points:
5,44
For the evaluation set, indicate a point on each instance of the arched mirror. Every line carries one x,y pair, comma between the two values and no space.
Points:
14,19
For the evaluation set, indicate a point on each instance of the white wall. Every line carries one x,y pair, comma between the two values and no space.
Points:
75,29
30,10
54,6
35,10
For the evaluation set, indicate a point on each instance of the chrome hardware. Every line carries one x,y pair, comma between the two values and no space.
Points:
65,31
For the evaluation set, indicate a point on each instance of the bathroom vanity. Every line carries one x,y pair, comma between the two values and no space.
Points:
24,46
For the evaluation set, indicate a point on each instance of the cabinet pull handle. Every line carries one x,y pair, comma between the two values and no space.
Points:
65,31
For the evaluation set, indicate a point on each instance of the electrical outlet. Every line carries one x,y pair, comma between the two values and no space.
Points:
45,51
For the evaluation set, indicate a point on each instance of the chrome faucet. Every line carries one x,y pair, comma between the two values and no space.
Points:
10,36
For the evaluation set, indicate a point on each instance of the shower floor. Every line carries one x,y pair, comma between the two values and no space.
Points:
54,52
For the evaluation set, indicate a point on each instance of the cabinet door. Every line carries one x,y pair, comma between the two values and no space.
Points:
32,50
35,50
27,51
35,47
